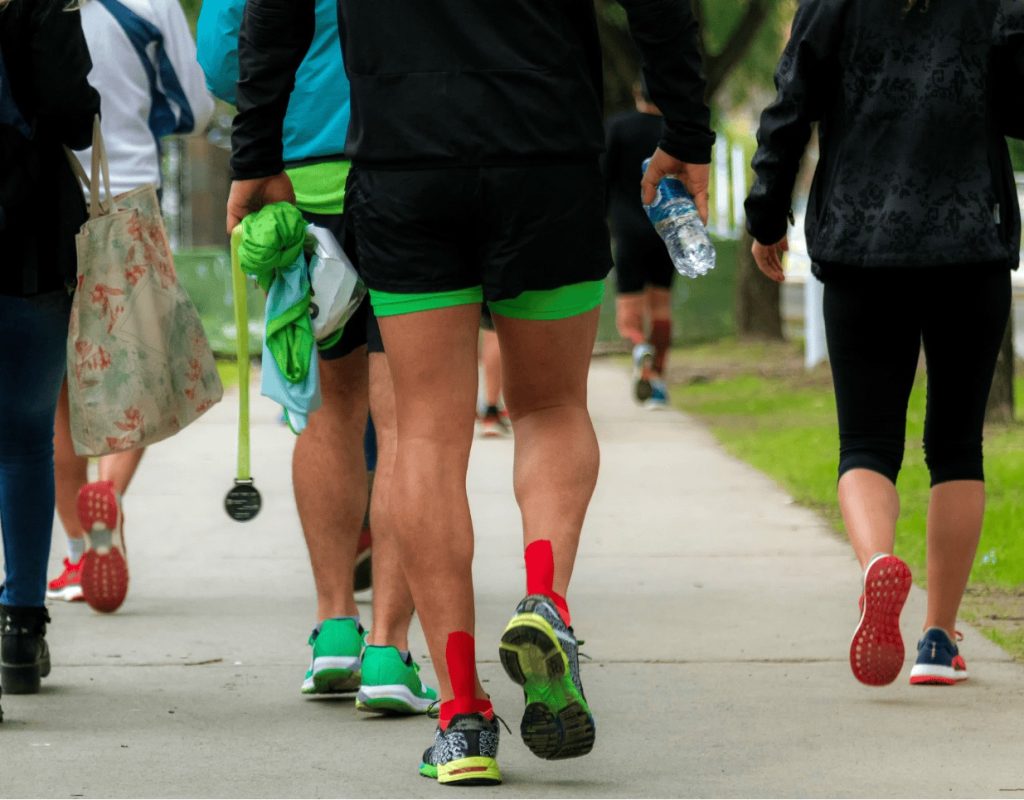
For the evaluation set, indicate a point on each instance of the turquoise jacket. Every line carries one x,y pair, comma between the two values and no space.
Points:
318,113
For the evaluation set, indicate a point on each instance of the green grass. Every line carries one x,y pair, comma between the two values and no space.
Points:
206,275
228,371
784,424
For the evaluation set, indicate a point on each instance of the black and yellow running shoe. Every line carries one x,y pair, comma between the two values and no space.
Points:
465,753
540,653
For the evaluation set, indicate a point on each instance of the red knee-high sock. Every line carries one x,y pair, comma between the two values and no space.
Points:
460,656
540,575
661,341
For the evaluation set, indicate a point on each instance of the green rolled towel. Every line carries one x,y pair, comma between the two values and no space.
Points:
271,251
272,239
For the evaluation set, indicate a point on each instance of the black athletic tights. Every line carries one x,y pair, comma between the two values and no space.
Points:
875,322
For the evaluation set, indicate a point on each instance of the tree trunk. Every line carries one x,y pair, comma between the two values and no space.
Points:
1001,398
758,307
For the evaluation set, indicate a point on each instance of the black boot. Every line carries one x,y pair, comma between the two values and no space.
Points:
24,656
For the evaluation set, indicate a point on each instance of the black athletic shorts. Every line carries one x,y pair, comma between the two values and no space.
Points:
506,229
362,328
642,261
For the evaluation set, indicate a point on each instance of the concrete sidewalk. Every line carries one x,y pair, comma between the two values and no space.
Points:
717,614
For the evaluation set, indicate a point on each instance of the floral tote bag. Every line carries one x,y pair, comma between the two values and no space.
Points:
139,366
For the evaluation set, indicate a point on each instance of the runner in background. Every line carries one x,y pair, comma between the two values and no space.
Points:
144,67
329,468
494,421
643,268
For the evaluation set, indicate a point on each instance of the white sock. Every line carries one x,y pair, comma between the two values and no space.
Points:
76,549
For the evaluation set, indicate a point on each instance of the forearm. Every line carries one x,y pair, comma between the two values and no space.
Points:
274,39
668,38
782,139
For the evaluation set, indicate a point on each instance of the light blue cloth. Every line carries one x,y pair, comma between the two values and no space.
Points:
299,400
318,112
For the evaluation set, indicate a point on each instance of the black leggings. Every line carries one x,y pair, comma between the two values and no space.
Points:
875,322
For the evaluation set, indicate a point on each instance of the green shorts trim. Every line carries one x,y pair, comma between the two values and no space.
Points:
391,304
546,304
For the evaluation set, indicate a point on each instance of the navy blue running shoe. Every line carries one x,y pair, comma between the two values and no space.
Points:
939,662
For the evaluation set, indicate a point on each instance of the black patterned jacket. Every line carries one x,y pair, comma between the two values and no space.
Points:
912,109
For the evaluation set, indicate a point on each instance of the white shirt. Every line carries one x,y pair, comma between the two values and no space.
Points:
150,84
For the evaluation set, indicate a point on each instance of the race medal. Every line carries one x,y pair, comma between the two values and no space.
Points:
243,502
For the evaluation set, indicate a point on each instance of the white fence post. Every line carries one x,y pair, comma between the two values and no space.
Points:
739,188
721,225
815,348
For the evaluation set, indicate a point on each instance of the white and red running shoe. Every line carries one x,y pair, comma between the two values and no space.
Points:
68,585
104,565
876,651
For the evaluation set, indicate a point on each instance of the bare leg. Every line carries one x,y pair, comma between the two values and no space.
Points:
329,477
955,516
492,368
120,468
870,507
70,471
392,601
556,462
659,308
629,317
435,395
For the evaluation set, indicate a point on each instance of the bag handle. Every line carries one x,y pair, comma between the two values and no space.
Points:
100,167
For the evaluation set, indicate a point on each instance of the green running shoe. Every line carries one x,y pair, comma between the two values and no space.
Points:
465,754
540,653
337,644
392,685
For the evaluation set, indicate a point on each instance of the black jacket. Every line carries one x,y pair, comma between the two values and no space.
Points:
912,111
47,63
468,82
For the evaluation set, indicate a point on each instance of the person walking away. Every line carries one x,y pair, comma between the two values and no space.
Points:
912,223
643,268
46,104
494,422
328,466
475,135
144,67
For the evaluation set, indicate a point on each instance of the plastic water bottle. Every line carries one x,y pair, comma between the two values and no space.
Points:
675,218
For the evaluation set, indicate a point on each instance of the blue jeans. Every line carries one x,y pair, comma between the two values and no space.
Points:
33,341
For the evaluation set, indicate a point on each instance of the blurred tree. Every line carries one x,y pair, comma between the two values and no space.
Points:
741,38
191,10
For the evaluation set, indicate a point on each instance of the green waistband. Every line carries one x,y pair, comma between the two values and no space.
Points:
320,188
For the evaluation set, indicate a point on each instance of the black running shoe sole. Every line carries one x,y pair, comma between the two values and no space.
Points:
555,724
